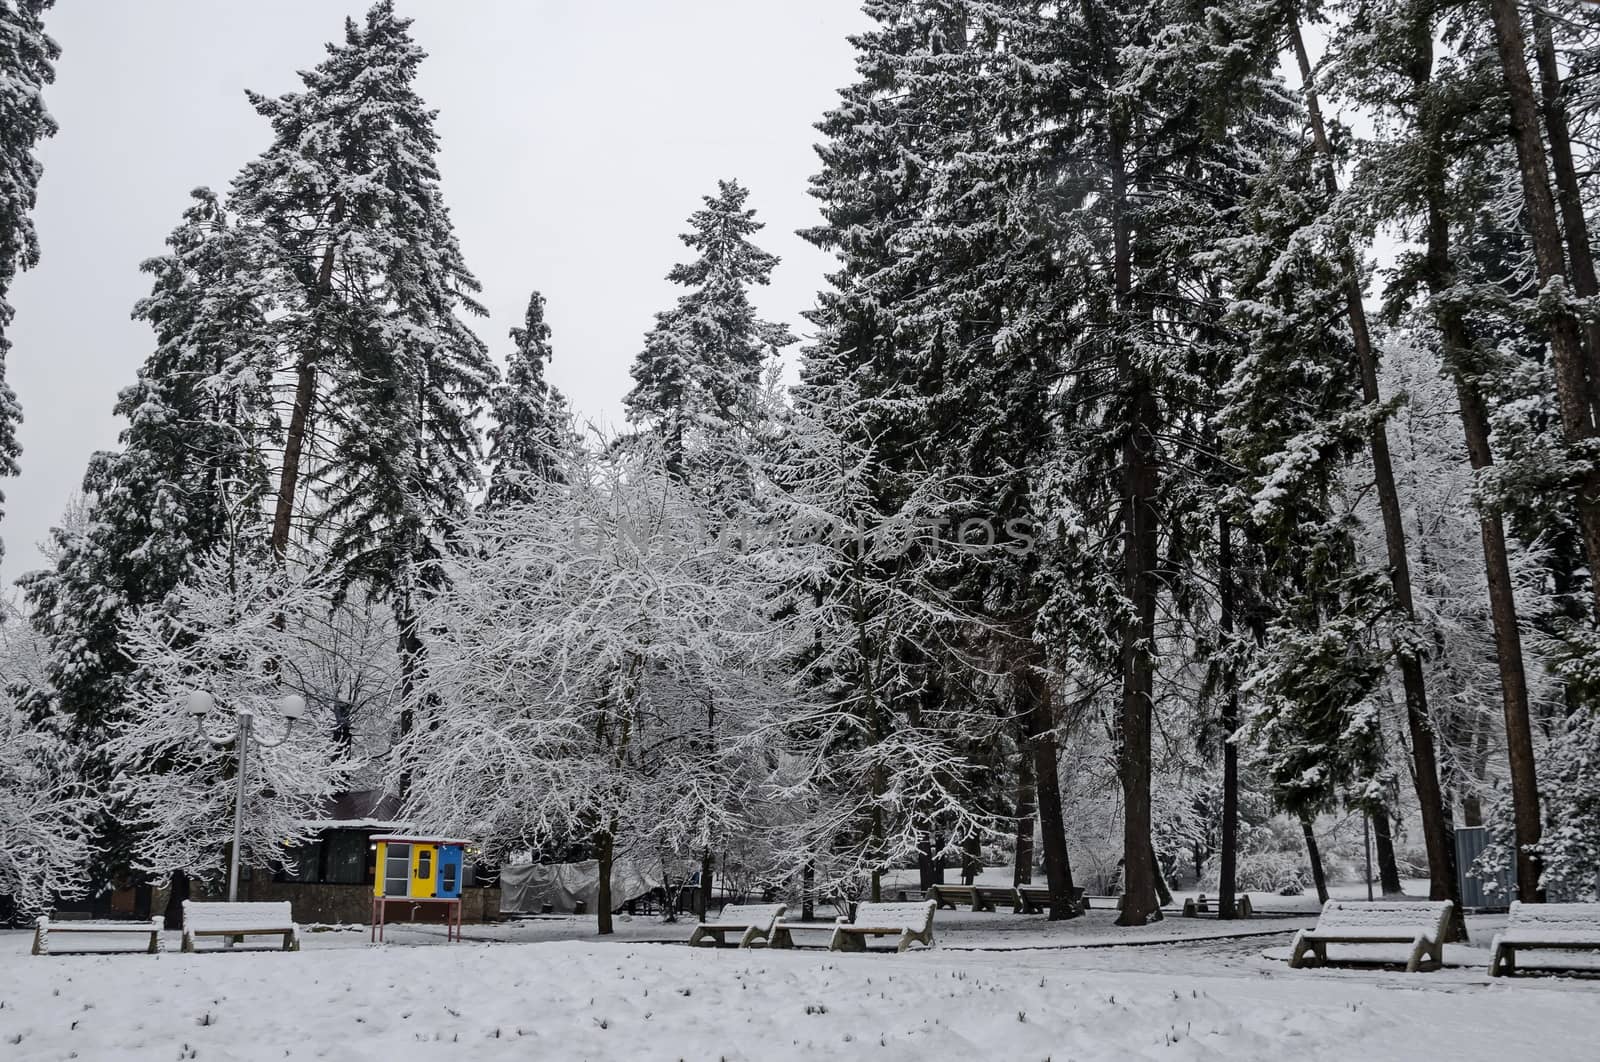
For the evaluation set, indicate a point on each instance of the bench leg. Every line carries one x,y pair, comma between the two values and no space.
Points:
1419,950
697,936
188,941
750,936
1297,956
41,940
780,938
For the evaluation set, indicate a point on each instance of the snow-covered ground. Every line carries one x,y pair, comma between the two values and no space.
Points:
999,986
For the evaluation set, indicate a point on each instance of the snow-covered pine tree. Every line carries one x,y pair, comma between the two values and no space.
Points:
189,475
355,236
935,324
531,420
1436,163
373,290
880,760
1141,121
697,379
191,467
27,58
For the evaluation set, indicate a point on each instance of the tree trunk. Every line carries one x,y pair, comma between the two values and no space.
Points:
1569,195
1314,854
1038,716
1138,668
808,892
1228,878
1022,867
1461,361
925,863
410,650
708,870
1425,773
1573,386
1383,843
305,394
971,858
172,917
1163,893
604,844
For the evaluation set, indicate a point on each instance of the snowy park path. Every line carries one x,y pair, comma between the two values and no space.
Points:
572,999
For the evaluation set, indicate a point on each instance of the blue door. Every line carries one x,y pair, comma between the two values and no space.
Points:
450,859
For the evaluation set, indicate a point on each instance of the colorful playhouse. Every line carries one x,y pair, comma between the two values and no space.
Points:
415,871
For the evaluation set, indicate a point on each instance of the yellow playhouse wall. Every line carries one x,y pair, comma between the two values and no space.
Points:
424,885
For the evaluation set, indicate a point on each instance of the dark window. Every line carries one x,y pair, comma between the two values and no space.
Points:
347,854
448,875
300,863
424,865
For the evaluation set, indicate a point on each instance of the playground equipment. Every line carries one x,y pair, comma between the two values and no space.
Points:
416,871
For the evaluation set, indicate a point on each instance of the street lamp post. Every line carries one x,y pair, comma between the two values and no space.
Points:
293,707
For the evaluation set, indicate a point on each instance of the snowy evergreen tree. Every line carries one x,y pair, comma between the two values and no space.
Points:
389,379
354,236
696,381
530,417
189,476
27,58
190,473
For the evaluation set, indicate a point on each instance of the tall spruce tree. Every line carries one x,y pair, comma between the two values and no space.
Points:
530,427
352,227
935,325
27,58
189,478
697,380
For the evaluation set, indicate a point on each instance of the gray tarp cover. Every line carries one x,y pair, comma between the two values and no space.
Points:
526,887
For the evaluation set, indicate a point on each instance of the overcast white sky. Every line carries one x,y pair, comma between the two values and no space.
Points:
578,136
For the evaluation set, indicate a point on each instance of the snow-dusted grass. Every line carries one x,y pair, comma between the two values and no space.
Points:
582,999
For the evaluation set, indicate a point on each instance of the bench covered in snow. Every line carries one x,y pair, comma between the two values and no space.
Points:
1544,926
908,921
239,920
1242,907
43,928
783,932
978,897
751,921
1035,899
1421,924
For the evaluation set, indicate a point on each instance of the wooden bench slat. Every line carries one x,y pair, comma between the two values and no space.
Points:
752,921
269,918
1544,927
44,928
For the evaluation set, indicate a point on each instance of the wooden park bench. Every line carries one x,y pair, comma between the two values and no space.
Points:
1035,899
783,932
44,928
1545,927
1242,907
239,920
1420,924
752,922
978,897
908,921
